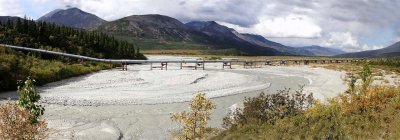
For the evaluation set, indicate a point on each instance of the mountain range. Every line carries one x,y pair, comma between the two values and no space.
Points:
322,51
4,19
392,50
163,33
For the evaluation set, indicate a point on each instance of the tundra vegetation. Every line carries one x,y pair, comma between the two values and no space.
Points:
364,111
377,65
22,120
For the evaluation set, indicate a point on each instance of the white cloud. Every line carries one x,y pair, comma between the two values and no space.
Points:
291,26
342,39
347,42
10,8
39,1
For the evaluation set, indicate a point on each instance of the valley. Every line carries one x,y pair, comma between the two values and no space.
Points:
199,70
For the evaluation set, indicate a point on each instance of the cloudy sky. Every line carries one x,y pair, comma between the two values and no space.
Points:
350,25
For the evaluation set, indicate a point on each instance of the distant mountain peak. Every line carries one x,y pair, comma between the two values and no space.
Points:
322,51
285,50
221,33
51,13
72,17
74,8
151,26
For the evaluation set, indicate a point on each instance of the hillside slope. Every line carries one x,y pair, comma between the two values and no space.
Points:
261,41
322,51
392,50
45,68
73,17
150,27
227,37
163,32
4,19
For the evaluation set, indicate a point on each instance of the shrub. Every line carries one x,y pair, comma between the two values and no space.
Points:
195,121
15,123
269,108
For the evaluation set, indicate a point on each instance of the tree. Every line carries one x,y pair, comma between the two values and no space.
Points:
195,121
28,98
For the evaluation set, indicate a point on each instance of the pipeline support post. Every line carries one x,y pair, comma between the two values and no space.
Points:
199,64
226,64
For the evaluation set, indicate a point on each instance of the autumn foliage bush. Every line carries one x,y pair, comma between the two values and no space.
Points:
22,120
15,123
194,122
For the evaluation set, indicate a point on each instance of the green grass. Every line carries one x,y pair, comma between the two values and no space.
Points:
155,44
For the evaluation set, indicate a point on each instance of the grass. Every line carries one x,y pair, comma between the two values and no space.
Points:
378,66
174,52
154,44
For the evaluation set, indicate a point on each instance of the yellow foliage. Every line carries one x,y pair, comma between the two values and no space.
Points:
195,121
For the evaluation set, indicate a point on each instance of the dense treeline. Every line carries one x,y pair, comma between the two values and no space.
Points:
29,33
16,66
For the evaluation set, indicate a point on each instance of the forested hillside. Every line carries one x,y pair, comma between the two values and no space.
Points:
17,65
47,36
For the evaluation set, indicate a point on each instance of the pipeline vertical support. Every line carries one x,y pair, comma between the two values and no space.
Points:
126,66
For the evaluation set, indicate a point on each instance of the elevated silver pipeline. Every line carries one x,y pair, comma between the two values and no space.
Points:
130,61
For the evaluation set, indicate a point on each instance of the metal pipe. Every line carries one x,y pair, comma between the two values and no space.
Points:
130,61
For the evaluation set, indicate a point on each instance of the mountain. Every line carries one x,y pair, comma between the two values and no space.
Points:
73,17
150,27
392,50
163,32
228,37
4,19
261,41
322,51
